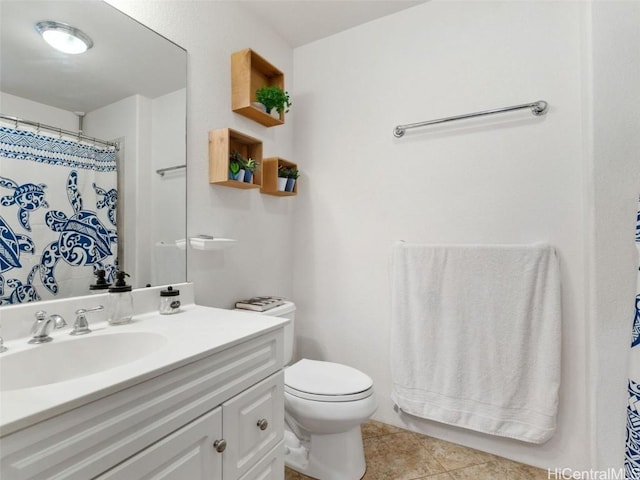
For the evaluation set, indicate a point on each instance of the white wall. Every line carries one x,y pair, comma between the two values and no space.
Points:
513,178
37,112
261,261
616,174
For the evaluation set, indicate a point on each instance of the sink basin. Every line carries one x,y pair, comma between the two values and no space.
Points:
73,358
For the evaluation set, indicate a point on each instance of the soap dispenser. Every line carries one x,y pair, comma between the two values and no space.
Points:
120,301
101,285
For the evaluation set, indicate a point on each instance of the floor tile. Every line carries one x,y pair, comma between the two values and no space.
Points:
452,456
500,469
293,475
376,429
398,456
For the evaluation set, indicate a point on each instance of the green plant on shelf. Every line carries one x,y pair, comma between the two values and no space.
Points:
283,172
250,164
236,161
272,96
293,173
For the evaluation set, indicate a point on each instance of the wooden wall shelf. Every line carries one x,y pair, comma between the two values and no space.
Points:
221,143
270,177
249,71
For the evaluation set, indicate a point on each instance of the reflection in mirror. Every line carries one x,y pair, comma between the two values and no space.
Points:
92,153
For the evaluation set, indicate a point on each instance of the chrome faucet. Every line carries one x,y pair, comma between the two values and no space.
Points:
81,326
42,326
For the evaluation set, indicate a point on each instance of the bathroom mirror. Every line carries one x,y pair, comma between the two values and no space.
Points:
129,88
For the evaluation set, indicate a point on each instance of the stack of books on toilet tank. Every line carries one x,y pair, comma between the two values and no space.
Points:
260,304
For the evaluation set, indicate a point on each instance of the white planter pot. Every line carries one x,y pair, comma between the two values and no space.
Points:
259,106
282,184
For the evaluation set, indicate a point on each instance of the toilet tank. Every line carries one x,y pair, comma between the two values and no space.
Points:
286,310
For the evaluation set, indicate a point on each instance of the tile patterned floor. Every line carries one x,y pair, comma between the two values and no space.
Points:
396,454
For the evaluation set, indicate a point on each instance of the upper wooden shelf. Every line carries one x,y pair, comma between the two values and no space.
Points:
249,71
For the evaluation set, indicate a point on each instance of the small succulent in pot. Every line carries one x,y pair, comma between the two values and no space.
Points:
292,175
272,96
283,172
249,165
236,162
283,177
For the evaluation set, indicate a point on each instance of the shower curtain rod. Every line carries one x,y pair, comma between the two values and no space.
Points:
60,131
537,108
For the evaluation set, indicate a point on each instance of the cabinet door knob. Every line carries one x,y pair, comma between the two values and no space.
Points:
220,445
263,424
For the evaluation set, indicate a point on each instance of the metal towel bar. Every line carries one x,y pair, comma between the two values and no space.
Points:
537,108
162,171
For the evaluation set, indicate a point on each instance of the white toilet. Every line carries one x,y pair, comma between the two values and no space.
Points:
325,403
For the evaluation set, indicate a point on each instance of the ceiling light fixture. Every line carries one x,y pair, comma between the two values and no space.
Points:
64,37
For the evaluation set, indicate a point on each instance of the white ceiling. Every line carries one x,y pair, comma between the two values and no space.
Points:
304,21
103,75
122,62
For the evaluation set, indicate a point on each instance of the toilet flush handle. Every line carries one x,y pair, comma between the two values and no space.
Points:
263,424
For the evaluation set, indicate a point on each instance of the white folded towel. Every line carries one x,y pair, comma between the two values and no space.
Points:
475,337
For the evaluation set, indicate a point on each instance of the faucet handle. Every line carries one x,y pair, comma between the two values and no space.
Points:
81,325
40,317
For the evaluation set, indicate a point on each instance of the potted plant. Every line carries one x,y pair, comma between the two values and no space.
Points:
292,176
249,166
236,163
272,96
283,176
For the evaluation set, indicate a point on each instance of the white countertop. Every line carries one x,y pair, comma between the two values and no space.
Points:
193,333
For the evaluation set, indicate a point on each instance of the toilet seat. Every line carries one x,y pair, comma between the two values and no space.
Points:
326,382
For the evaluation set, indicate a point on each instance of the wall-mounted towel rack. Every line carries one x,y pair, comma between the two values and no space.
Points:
162,171
537,108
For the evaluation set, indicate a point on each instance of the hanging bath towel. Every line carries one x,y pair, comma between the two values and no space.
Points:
632,453
475,337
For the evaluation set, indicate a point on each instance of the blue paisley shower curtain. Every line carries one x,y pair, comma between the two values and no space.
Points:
57,215
632,454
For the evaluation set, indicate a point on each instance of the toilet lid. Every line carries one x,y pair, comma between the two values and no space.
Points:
312,378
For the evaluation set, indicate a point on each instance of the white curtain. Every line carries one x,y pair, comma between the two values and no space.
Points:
57,215
632,453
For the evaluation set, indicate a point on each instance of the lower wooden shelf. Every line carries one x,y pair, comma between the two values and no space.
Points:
269,171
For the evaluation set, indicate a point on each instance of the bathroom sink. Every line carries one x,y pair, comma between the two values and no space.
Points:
70,359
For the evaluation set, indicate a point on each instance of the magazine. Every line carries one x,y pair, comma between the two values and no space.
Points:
260,304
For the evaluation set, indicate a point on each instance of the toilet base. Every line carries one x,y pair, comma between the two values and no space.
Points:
338,456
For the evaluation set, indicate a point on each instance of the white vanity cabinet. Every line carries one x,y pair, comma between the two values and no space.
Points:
185,454
169,426
222,444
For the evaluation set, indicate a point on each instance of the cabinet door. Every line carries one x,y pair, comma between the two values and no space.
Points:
253,424
187,453
270,467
